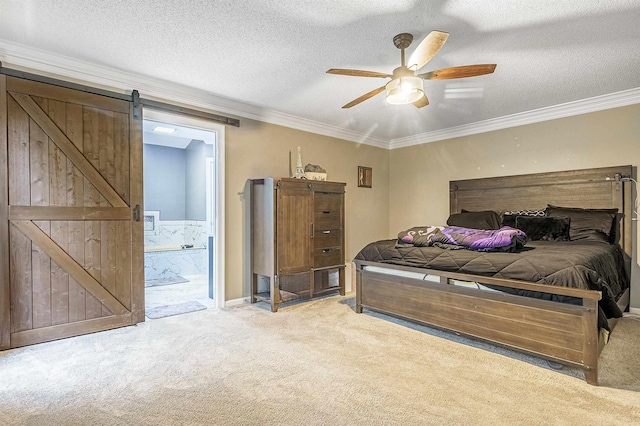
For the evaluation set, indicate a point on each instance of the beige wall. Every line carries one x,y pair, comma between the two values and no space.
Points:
410,185
420,175
257,149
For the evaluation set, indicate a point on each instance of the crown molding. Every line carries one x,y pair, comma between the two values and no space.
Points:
583,106
25,58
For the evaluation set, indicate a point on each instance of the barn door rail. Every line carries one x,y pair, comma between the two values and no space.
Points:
66,84
133,97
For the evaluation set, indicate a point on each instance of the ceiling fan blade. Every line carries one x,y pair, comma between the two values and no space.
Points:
358,73
427,49
459,72
422,102
362,98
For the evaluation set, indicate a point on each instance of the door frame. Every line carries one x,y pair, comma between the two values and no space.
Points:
219,155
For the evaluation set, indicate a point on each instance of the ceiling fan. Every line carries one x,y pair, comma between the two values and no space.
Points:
405,86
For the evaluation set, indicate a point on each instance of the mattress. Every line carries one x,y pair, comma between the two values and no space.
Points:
584,264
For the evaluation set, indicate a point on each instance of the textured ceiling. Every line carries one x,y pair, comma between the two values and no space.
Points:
273,54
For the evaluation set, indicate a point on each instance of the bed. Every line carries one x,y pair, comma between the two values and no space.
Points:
557,300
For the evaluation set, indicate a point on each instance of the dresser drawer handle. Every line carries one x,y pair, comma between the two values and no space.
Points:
326,232
326,212
326,250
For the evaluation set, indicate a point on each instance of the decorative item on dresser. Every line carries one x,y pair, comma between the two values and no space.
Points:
297,239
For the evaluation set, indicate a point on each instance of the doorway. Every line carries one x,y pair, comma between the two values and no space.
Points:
183,160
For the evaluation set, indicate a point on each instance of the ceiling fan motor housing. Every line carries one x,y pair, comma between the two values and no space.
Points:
402,41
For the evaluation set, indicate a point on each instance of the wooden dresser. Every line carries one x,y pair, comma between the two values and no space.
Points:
297,239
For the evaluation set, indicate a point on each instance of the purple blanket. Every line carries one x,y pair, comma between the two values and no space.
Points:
455,237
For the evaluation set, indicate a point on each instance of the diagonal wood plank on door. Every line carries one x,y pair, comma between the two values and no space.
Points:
62,141
65,261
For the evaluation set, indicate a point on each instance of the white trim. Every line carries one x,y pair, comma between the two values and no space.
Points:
635,311
25,58
18,56
219,251
236,302
597,103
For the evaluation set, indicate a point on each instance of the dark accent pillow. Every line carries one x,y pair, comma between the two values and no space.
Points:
597,224
486,219
544,228
509,217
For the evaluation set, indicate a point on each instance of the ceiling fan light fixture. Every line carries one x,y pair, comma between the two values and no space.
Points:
404,90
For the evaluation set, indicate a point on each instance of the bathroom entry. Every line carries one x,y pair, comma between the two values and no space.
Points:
179,214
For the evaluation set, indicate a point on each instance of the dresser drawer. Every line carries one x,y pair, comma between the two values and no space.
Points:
327,219
324,201
327,238
326,257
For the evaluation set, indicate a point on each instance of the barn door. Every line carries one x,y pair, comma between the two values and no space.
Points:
74,185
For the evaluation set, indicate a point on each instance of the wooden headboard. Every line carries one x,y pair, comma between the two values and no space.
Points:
586,188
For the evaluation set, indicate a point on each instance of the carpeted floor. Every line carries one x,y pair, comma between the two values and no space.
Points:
311,363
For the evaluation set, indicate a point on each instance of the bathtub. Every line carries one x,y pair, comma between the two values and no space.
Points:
172,261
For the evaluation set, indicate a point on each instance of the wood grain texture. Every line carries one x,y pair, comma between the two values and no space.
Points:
586,188
58,164
63,142
20,279
92,197
121,155
297,238
56,332
293,227
137,231
564,345
49,91
561,332
75,200
69,213
36,235
108,242
40,196
70,248
5,303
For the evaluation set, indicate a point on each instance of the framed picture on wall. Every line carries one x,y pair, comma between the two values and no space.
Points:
365,176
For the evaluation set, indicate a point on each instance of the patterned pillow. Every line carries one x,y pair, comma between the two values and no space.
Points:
509,217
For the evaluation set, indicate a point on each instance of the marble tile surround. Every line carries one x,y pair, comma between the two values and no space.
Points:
178,233
170,263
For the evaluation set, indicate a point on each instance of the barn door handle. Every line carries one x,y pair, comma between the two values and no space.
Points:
136,213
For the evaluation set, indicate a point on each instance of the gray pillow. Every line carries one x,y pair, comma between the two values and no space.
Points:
594,224
485,219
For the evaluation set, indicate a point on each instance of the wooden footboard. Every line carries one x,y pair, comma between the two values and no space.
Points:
556,331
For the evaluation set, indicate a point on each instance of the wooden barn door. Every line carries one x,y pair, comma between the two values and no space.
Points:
74,184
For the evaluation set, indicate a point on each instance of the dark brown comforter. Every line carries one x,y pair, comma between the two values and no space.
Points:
585,264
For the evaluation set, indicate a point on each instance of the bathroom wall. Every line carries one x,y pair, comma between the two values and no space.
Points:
175,185
164,181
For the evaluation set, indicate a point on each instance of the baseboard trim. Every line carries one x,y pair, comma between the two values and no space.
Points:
236,302
635,311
